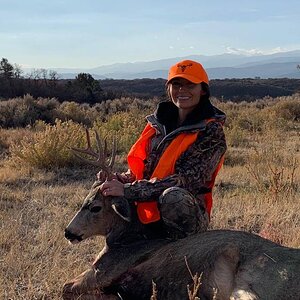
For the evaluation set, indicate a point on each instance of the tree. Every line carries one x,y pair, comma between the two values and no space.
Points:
85,79
53,77
17,71
6,69
87,89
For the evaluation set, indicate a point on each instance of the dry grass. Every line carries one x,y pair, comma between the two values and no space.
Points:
257,191
35,259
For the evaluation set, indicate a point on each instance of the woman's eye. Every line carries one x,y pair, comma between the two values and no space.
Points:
190,85
95,209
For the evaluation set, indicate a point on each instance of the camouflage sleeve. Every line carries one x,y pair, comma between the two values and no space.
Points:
193,168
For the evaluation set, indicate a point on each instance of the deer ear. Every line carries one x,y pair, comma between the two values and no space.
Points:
121,206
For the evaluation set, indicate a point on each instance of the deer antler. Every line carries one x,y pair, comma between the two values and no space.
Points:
100,156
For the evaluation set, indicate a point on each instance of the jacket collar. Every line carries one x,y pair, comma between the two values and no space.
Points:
165,117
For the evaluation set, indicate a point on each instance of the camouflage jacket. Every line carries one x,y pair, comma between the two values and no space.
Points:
193,169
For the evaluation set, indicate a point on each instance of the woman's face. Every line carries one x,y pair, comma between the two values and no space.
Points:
185,94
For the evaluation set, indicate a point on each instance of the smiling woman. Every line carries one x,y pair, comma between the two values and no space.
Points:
185,95
174,163
187,87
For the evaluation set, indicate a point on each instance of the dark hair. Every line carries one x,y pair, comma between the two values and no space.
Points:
205,107
205,88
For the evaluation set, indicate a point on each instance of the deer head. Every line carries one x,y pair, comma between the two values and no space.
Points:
98,214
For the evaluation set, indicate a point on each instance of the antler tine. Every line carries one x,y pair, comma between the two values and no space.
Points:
88,139
105,147
101,156
88,161
99,162
89,149
113,154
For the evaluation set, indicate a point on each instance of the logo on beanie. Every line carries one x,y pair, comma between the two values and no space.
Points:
183,67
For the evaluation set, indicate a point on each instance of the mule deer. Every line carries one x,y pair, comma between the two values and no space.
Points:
238,265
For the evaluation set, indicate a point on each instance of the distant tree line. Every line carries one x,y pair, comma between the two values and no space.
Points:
248,89
85,89
46,83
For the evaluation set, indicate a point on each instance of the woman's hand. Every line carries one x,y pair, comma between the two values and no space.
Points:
112,188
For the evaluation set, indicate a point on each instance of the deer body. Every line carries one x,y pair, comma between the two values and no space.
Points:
237,264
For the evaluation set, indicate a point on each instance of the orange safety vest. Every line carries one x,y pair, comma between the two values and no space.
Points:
148,212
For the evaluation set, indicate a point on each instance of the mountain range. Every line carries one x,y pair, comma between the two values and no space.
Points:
227,65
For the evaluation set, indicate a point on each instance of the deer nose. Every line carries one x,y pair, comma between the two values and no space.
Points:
71,236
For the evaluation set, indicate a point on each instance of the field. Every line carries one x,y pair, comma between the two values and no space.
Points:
42,185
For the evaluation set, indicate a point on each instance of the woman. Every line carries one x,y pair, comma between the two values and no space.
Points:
173,165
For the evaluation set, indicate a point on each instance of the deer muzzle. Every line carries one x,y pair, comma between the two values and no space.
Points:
73,238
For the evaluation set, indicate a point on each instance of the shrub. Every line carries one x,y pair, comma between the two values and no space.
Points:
75,112
235,157
236,137
20,112
48,148
125,127
273,171
289,108
12,136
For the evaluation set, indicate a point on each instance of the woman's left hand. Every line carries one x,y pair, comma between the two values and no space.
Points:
112,188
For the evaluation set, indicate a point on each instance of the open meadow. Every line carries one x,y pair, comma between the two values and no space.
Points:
42,184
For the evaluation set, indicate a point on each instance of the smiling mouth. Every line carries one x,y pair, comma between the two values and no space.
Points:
183,98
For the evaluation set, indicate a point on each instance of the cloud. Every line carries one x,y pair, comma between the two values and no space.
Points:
255,51
277,49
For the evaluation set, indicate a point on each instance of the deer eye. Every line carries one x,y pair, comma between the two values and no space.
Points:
95,209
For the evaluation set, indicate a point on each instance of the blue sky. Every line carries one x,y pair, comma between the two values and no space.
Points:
91,33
